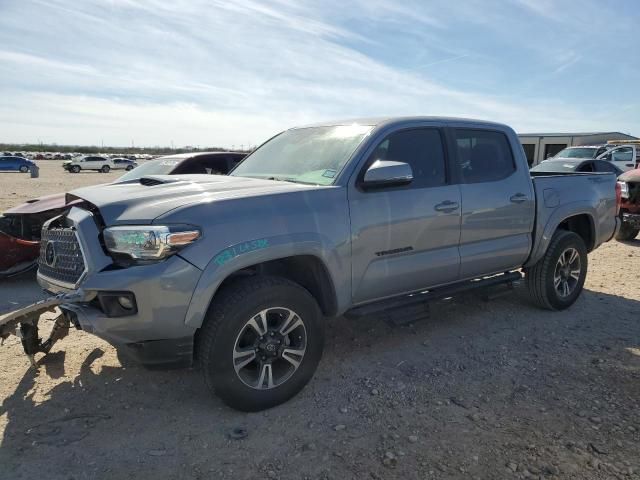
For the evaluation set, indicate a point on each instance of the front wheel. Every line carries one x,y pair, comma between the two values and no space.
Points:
75,169
626,232
261,342
24,169
105,169
129,168
556,281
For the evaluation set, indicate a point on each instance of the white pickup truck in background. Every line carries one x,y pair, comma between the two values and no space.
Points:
624,156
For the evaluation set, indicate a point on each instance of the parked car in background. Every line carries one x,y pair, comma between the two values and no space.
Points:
20,233
20,226
625,157
588,151
120,163
89,162
212,163
630,205
15,164
358,218
569,165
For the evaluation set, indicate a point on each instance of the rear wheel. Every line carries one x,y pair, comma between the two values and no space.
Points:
75,169
627,232
24,169
106,168
556,281
261,342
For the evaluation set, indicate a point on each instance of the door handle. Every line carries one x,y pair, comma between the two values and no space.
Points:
518,198
446,206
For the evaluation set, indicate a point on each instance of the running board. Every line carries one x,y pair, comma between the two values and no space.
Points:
410,305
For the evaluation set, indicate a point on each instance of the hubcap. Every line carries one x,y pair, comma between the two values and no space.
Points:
270,348
567,272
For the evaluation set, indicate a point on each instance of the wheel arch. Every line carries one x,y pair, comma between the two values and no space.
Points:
581,222
306,269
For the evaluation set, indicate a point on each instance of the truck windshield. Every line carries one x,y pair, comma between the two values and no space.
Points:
313,155
577,153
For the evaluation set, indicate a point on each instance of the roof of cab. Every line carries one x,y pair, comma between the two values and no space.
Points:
389,121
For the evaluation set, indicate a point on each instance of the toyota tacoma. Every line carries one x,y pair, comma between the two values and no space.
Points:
361,217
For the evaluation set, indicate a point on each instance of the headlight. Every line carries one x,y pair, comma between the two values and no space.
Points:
624,189
152,243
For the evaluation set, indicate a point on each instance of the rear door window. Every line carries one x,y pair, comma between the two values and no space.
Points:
602,166
483,155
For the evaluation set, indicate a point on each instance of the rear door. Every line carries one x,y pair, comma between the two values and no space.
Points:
405,238
5,163
498,205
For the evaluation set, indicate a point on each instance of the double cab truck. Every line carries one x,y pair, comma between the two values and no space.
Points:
239,272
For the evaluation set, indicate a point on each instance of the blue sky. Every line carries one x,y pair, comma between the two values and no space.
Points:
230,73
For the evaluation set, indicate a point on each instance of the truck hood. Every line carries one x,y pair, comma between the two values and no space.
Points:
144,199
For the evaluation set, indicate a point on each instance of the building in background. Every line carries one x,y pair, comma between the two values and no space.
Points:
538,146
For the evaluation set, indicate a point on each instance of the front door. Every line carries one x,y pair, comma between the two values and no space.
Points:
623,158
498,205
406,238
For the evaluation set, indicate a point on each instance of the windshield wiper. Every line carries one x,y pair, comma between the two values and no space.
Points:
283,179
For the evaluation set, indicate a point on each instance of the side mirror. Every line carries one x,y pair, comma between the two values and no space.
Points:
386,173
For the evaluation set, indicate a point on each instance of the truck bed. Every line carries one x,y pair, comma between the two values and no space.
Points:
558,193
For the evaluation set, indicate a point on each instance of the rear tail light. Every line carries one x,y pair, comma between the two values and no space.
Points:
618,197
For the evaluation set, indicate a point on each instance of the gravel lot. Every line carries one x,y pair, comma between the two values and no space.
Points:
480,389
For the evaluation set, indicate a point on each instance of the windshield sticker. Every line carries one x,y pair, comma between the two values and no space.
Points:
237,250
330,173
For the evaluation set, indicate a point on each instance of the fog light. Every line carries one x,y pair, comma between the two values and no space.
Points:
126,302
117,304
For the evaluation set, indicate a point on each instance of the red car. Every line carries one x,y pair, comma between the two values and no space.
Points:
20,233
20,226
630,205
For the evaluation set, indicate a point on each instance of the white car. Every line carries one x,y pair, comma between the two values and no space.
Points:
89,162
121,163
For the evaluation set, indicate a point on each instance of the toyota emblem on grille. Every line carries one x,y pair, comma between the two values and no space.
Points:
50,253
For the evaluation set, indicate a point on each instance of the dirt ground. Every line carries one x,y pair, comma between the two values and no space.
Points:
481,390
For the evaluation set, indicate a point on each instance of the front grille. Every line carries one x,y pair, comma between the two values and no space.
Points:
60,256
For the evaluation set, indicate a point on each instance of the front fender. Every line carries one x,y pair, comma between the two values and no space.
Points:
246,254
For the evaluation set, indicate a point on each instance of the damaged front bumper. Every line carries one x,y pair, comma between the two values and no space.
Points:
23,322
632,219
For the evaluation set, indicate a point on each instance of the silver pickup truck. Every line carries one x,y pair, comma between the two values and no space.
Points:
356,218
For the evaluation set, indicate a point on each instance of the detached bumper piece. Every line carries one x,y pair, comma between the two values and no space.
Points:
23,323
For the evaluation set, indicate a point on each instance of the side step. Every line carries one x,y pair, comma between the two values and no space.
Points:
412,307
